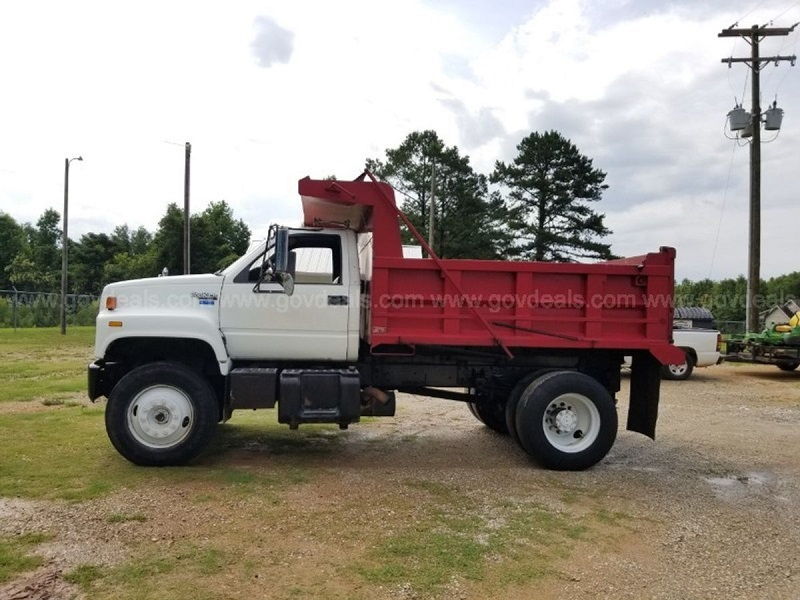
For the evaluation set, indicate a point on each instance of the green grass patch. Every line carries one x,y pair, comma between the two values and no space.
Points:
179,573
84,575
65,453
41,363
15,554
457,537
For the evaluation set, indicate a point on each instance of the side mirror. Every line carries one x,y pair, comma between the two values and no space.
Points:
283,269
281,266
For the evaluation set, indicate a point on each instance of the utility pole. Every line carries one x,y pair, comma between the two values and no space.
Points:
187,267
65,246
432,208
756,62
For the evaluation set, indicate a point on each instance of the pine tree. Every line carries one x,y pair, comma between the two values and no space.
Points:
548,188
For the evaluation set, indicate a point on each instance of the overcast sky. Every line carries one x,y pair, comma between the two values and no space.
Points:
268,92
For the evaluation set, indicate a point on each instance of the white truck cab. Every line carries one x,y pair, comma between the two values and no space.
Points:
241,318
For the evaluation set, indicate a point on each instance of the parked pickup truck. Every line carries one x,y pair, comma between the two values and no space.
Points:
538,345
701,349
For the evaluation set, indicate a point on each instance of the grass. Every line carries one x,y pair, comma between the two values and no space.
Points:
456,538
64,453
41,363
175,574
15,554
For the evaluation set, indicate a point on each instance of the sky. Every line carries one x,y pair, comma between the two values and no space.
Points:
269,92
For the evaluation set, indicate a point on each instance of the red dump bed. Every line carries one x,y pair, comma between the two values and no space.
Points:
622,305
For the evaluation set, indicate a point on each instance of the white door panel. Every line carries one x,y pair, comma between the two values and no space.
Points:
311,324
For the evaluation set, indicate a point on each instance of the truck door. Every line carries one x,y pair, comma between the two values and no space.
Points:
311,324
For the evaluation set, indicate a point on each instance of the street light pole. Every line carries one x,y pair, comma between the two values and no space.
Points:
65,246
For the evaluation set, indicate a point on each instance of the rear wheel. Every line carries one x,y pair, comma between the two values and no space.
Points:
679,372
789,366
491,414
513,401
161,414
566,421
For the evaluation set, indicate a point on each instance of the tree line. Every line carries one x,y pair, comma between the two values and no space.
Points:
30,254
536,207
726,298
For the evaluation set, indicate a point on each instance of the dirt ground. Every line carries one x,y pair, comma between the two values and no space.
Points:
711,509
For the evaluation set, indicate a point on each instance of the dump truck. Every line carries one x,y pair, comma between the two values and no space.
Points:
328,321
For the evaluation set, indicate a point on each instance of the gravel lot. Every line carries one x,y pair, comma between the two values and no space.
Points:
709,510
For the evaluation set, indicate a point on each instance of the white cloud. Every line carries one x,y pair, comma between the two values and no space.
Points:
272,43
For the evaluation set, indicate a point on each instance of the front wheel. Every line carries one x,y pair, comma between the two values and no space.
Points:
566,421
161,414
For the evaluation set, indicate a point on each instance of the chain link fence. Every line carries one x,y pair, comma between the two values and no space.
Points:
19,308
731,327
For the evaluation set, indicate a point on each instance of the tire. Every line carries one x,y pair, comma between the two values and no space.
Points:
789,366
161,414
513,401
679,372
493,415
578,404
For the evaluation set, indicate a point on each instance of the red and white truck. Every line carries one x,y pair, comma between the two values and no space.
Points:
328,320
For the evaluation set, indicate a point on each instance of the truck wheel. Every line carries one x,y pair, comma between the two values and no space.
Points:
679,372
789,366
513,401
566,421
161,414
493,415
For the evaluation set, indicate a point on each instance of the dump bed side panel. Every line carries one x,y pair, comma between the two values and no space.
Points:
625,304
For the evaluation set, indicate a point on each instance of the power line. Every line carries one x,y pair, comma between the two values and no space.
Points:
722,211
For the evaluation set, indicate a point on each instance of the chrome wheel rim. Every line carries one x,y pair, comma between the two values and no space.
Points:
160,416
678,370
571,422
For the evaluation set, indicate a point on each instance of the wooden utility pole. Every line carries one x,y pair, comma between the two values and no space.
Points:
756,62
432,207
187,267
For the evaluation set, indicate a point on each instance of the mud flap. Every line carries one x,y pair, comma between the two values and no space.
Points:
645,387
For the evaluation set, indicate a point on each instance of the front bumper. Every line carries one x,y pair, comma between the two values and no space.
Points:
97,380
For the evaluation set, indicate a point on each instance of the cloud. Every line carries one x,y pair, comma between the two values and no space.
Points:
272,44
475,129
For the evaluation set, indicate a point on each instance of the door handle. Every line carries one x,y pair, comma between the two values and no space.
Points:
337,300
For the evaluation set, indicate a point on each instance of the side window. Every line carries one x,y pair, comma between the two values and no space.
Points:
315,258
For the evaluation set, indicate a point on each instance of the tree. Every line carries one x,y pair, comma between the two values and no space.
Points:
12,240
168,241
467,224
548,188
45,241
87,259
217,238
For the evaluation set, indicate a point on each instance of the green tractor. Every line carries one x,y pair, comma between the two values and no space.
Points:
778,344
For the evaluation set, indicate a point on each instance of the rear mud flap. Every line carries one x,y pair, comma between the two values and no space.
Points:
645,388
